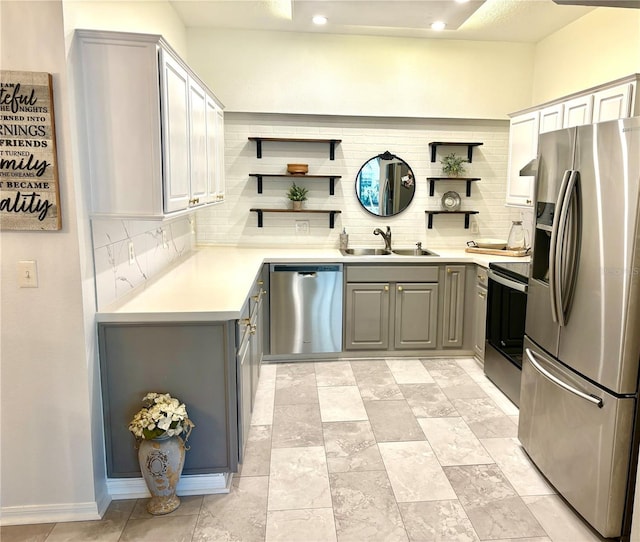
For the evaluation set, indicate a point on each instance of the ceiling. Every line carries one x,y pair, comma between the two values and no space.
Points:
484,20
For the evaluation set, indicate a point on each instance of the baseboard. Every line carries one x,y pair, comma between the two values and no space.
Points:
196,484
118,488
49,513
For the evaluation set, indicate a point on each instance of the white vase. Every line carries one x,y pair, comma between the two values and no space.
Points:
161,462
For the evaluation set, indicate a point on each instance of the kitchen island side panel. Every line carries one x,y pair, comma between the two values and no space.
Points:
194,362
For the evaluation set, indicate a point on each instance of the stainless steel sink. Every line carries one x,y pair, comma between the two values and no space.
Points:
365,252
413,252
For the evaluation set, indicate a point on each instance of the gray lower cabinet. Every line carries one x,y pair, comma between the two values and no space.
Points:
416,316
480,320
367,316
249,353
193,361
391,307
453,306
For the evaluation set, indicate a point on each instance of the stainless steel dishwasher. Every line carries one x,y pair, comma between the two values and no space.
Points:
305,308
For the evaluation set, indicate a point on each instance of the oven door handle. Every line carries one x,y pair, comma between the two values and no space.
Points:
587,397
513,284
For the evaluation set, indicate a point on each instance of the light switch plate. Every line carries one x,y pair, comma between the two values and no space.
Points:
27,274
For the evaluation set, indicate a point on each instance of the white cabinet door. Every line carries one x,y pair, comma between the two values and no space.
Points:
613,103
551,118
175,130
199,182
215,148
578,111
523,147
220,179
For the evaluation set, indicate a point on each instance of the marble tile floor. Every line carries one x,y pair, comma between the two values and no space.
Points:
364,451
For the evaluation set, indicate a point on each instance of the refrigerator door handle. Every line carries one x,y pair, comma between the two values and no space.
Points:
554,251
587,397
569,237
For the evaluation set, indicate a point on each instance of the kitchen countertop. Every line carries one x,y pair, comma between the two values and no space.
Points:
213,283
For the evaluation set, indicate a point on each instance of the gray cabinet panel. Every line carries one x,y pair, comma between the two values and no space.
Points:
367,316
453,309
416,316
480,312
191,361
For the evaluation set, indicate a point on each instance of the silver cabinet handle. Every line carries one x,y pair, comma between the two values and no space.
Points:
591,398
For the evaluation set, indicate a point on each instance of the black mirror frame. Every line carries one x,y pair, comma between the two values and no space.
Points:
387,156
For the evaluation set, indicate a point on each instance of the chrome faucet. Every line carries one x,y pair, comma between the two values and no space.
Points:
385,236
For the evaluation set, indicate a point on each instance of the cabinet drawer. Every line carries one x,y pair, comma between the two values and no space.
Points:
481,275
392,273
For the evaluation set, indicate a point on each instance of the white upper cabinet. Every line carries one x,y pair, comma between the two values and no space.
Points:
215,151
608,102
148,132
578,111
523,147
175,122
551,118
198,163
613,103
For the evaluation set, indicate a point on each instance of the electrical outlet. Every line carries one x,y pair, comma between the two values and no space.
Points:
132,254
302,227
27,274
474,227
165,243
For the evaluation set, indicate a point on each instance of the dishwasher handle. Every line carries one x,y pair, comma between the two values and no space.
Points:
308,274
302,268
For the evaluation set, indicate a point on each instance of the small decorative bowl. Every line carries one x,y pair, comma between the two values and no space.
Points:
297,169
450,201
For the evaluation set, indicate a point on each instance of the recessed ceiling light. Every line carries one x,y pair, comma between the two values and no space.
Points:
462,1
319,19
438,25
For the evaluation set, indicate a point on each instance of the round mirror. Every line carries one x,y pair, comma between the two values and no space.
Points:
385,185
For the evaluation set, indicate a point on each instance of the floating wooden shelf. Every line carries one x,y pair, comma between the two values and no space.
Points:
331,214
465,213
435,144
332,179
332,143
468,180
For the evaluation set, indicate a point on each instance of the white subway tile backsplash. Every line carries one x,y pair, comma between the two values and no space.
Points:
362,137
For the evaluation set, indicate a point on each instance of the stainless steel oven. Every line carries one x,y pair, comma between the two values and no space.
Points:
506,314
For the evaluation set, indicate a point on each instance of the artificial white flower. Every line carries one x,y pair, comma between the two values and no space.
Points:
162,415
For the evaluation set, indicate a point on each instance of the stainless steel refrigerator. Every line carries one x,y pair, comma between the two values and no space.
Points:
579,387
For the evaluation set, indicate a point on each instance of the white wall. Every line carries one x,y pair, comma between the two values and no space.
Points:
601,46
47,402
362,138
328,74
153,17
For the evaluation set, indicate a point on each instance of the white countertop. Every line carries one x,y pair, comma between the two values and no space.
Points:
213,283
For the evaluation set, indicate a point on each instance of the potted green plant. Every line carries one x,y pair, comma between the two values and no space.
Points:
453,165
297,194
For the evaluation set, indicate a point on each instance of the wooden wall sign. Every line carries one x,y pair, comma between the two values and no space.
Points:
29,190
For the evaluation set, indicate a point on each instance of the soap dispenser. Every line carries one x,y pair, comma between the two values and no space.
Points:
344,239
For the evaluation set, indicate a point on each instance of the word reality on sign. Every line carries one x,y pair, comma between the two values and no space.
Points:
29,189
